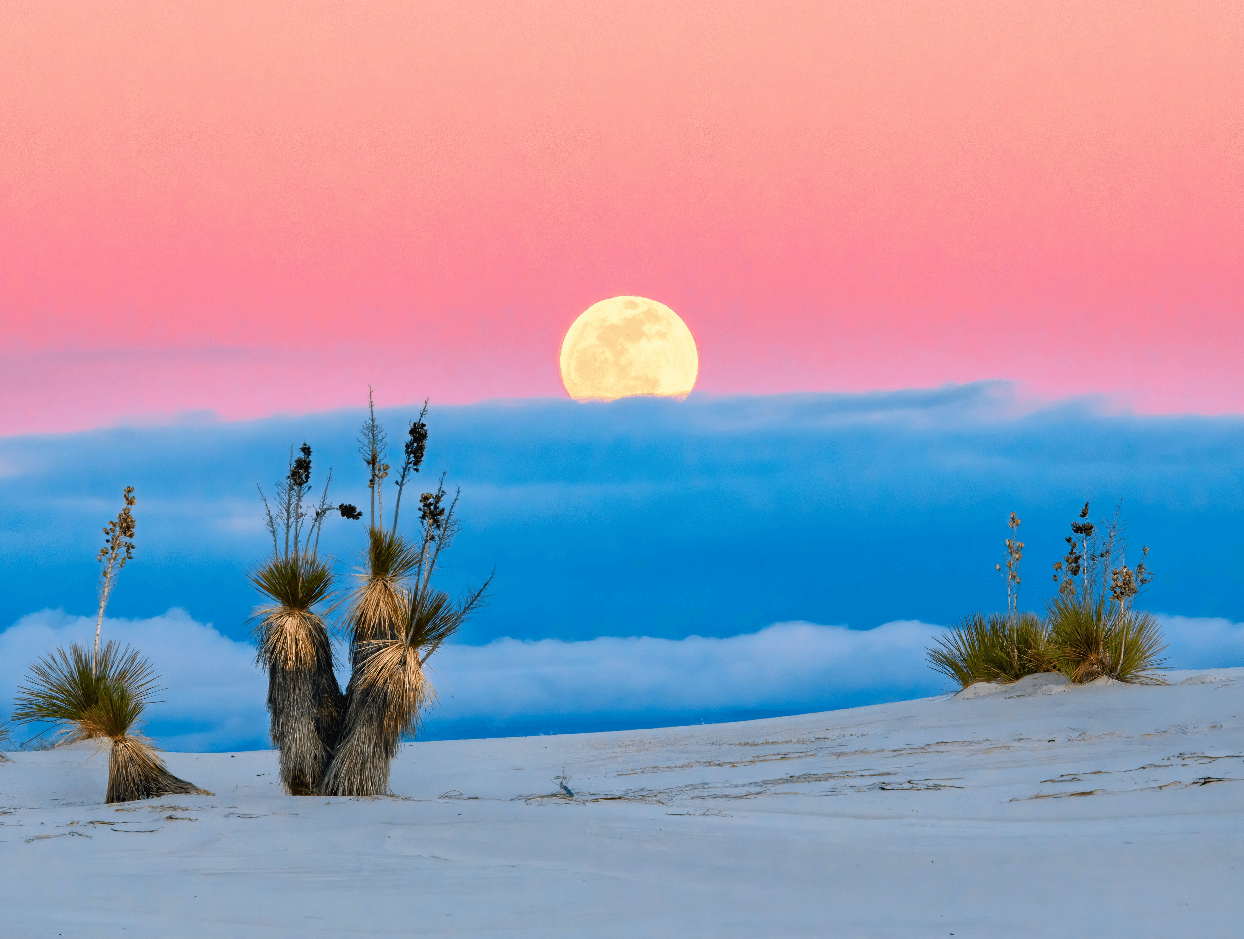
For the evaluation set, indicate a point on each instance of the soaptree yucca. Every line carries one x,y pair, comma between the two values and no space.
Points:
395,619
304,700
1090,629
88,695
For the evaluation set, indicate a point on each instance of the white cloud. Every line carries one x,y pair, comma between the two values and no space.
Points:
215,696
1202,642
784,667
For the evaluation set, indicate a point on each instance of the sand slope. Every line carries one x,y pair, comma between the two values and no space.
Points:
1096,811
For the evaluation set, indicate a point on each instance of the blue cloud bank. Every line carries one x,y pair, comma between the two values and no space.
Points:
713,518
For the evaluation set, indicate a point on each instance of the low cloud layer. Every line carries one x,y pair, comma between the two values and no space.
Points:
1202,642
214,694
788,667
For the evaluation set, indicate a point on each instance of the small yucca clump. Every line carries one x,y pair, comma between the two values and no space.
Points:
1105,640
1093,629
993,648
4,739
102,699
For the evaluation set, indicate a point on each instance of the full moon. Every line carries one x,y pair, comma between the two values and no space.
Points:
628,346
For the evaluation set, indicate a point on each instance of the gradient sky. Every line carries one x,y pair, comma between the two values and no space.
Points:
262,208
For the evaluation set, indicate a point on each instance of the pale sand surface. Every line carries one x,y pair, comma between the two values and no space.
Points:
1100,811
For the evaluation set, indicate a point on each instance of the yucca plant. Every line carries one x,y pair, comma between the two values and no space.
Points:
4,739
304,700
993,648
396,621
1105,640
118,550
86,696
376,607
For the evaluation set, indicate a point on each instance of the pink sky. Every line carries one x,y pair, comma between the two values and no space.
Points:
260,208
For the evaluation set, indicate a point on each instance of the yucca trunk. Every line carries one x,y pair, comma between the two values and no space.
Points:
360,765
385,695
135,772
306,707
304,699
368,742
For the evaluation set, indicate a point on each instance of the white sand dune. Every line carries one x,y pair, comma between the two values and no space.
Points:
1093,811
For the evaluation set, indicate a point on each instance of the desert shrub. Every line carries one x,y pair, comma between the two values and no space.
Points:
1105,639
993,648
87,696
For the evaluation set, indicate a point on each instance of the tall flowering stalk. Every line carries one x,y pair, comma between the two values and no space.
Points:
117,550
1014,554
